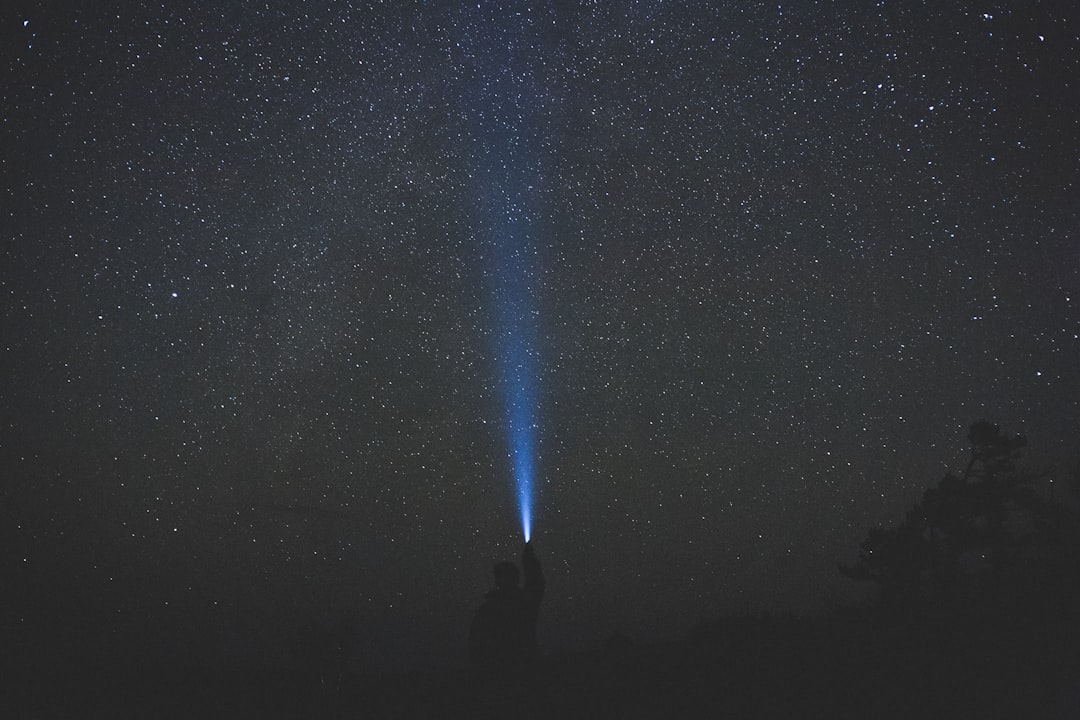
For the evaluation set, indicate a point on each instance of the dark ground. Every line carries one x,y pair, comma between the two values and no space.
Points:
852,665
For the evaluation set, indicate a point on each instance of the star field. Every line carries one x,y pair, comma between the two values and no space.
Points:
775,258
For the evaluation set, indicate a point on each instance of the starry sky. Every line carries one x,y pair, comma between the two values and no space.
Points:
286,286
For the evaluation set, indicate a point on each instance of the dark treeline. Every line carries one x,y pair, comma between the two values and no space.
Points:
977,614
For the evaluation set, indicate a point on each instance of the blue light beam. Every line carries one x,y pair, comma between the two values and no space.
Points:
517,374
511,271
502,110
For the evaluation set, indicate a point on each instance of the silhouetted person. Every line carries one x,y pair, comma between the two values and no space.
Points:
503,633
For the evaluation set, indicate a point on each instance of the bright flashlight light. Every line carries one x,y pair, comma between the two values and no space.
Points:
526,517
522,447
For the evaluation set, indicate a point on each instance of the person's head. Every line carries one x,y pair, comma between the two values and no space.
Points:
506,575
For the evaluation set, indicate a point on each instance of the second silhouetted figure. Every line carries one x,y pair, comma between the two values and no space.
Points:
503,633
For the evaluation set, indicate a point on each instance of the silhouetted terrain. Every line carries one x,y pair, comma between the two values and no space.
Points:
977,616
855,664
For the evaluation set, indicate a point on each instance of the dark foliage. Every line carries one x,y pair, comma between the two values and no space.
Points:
984,535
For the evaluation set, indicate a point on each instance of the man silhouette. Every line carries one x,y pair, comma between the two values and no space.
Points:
503,633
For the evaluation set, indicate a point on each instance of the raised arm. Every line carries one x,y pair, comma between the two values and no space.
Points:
534,576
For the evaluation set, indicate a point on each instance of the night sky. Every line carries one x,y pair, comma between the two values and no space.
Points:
293,291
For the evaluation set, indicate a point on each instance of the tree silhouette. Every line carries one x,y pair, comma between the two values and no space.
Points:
974,535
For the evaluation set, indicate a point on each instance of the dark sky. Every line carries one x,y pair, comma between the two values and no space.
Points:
265,267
